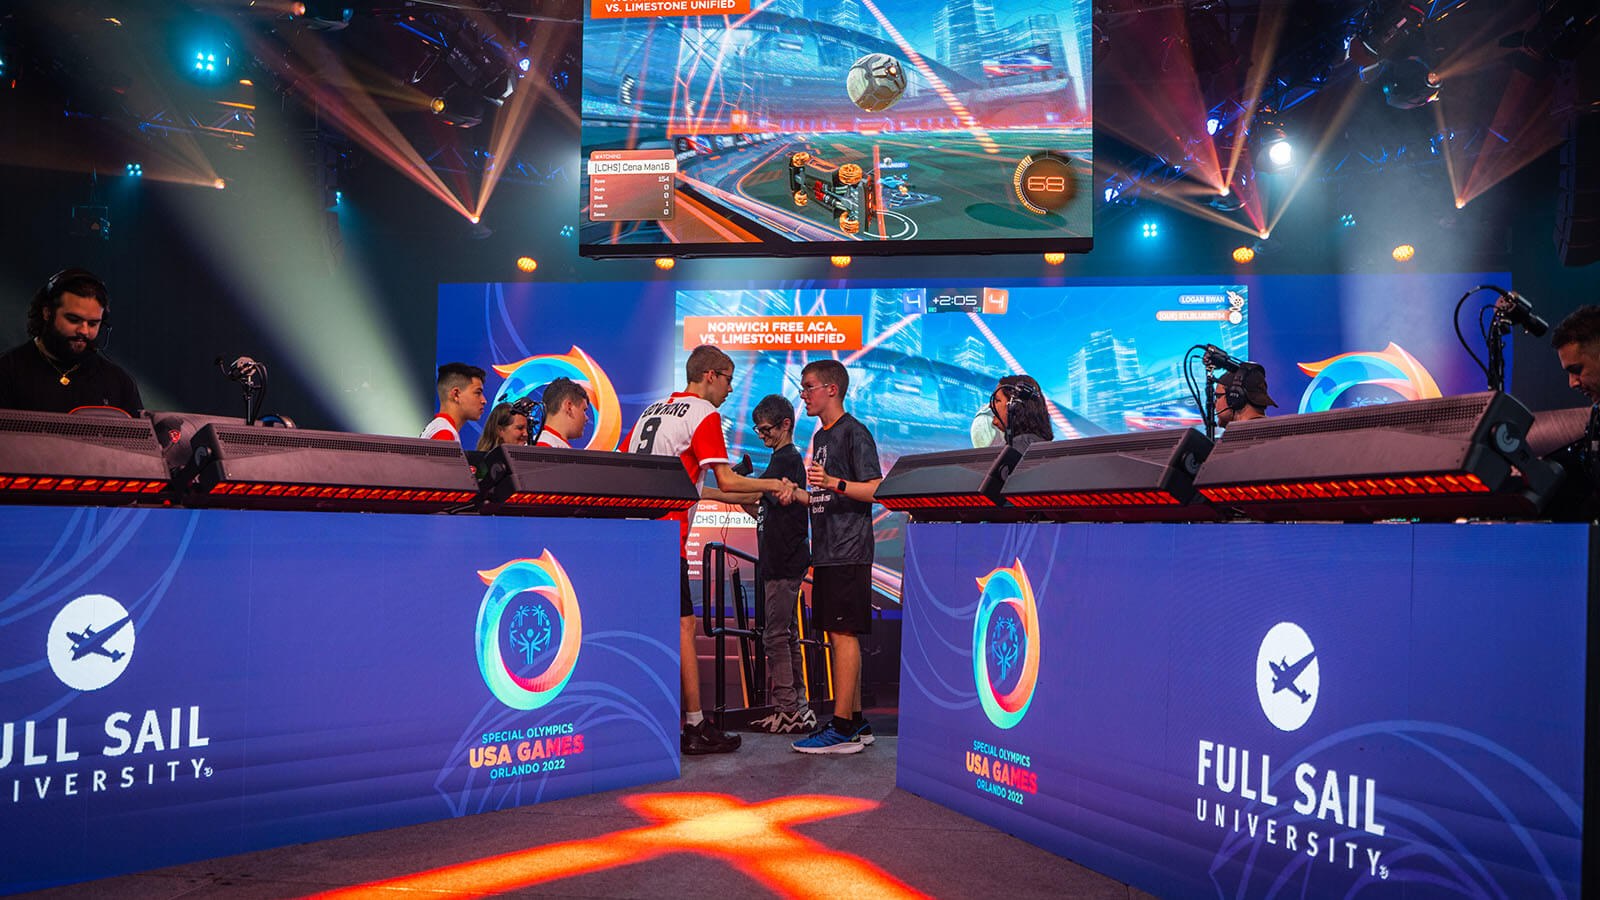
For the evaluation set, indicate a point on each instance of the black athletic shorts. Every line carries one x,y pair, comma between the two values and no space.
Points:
685,603
841,598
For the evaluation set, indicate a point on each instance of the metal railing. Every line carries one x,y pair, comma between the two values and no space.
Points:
747,627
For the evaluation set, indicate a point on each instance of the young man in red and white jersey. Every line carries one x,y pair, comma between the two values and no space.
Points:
566,413
461,401
687,425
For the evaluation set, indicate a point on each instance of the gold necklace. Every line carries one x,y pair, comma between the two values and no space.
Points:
65,381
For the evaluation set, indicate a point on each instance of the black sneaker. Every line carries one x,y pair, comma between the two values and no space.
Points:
707,738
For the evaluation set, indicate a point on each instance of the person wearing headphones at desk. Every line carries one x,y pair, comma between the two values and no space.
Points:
1019,412
506,425
566,413
61,368
1241,395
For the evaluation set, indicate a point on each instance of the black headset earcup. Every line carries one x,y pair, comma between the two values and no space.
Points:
1237,397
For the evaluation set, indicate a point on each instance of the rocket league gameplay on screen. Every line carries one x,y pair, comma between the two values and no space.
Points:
818,127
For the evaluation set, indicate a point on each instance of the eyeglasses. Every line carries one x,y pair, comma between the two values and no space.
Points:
815,387
727,375
764,430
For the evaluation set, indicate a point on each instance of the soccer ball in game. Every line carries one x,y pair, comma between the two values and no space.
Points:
875,82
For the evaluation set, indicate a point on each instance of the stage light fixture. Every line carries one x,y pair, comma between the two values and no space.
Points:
839,262
1150,230
135,170
1243,255
1055,258
665,263
320,15
569,231
1212,124
297,9
1409,83
1404,253
524,64
1274,152
1348,220
437,105
527,263
219,184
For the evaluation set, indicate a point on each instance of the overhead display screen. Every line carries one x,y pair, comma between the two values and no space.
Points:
799,127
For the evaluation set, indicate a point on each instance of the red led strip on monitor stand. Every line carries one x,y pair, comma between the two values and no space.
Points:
1352,488
331,492
942,501
72,485
1093,499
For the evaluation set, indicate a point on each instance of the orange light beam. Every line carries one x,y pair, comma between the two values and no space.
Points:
513,118
1523,125
1446,149
754,838
1264,51
359,117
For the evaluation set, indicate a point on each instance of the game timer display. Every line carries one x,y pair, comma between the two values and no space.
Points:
803,127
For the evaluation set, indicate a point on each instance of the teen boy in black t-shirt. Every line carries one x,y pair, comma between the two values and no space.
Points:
785,556
842,479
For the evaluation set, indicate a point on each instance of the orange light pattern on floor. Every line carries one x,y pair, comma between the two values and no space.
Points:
753,838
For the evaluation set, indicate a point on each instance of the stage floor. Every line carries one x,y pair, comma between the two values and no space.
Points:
854,834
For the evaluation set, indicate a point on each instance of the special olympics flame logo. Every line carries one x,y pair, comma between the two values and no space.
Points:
529,631
1365,378
1005,645
524,377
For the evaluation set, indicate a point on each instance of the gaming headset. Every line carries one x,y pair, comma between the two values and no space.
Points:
56,286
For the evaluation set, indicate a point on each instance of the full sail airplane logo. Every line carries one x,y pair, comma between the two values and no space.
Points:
90,642
1288,677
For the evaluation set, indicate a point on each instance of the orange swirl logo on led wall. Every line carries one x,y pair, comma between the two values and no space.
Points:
1366,378
524,378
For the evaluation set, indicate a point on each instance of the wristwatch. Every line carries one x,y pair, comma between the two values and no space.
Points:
840,488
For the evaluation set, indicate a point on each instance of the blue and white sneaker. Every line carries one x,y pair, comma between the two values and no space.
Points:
864,735
829,740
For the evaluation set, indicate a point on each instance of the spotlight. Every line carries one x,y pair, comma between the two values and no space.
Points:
297,9
665,263
437,105
1243,255
1348,220
1212,124
839,262
568,230
210,63
474,219
1055,258
1409,83
338,197
1404,253
524,63
1273,150
219,184
1151,230
527,263
135,170
1264,234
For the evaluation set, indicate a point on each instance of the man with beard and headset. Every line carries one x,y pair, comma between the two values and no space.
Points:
61,368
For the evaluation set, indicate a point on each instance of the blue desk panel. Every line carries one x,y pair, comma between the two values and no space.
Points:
178,685
1259,710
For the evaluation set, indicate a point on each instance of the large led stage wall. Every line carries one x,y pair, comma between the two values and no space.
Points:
924,356
178,685
1259,711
